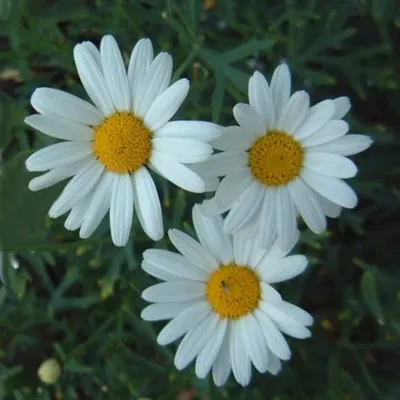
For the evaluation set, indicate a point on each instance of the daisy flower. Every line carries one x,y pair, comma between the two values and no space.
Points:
285,158
110,146
218,295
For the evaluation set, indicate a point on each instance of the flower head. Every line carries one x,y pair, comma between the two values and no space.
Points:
218,295
285,158
110,146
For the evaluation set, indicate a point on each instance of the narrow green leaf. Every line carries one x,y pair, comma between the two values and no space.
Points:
247,49
370,295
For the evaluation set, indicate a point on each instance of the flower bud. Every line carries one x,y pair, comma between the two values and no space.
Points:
50,371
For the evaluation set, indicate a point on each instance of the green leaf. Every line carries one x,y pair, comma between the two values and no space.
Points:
23,213
370,295
247,49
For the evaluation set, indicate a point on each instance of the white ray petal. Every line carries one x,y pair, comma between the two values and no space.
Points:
99,205
93,80
177,173
59,155
260,98
183,322
193,250
141,57
115,73
166,104
147,203
210,234
121,209
60,128
48,101
77,188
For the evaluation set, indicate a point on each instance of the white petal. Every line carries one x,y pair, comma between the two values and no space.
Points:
166,104
55,102
257,254
269,294
274,365
254,340
221,368
227,162
210,234
274,254
245,209
115,73
260,98
60,128
77,214
346,146
330,164
308,205
209,352
93,80
158,273
99,205
94,52
77,188
297,313
318,117
228,191
183,322
342,105
249,119
280,88
197,130
276,343
267,227
175,264
147,203
177,173
121,209
194,341
155,82
330,209
286,222
242,248
234,138
284,269
333,189
331,131
241,365
193,250
183,150
58,155
295,112
170,292
54,176
285,323
164,311
140,60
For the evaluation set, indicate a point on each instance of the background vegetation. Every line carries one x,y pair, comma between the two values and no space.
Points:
79,300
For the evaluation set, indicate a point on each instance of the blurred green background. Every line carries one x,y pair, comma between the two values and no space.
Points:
79,300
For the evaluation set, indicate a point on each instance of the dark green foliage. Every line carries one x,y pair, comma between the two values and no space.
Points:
79,300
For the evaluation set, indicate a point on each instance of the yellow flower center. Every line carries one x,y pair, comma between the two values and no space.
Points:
233,291
122,143
276,158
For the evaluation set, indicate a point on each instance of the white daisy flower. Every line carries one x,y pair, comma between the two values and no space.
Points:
218,295
285,158
111,145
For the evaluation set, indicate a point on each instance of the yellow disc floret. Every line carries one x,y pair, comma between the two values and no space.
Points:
233,291
276,158
122,143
